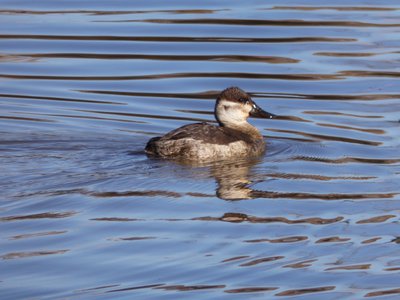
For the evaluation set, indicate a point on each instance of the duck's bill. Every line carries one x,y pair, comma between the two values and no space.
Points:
258,112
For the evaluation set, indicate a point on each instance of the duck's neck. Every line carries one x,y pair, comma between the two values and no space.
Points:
246,128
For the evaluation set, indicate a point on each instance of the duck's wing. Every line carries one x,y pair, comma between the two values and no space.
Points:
204,132
175,142
186,141
198,131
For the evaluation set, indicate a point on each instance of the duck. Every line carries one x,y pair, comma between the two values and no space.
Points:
233,138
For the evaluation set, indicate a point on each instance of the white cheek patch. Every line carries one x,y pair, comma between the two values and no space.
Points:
229,112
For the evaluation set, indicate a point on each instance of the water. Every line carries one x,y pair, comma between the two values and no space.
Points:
84,214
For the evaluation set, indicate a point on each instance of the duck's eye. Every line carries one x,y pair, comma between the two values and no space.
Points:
245,101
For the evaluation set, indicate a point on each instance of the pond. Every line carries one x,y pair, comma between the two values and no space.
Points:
85,214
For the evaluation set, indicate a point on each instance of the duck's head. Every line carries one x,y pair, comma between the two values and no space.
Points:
234,106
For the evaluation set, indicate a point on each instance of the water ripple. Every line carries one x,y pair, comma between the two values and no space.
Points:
179,39
247,22
306,291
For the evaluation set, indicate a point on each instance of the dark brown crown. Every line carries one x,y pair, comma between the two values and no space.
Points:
234,94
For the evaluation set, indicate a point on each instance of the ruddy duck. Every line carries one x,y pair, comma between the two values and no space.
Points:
233,138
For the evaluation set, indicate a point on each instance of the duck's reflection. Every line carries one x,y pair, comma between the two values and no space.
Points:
232,178
234,181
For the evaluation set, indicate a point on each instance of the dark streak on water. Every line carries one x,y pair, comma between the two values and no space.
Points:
84,214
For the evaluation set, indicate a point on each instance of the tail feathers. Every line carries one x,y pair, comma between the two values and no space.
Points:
151,147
